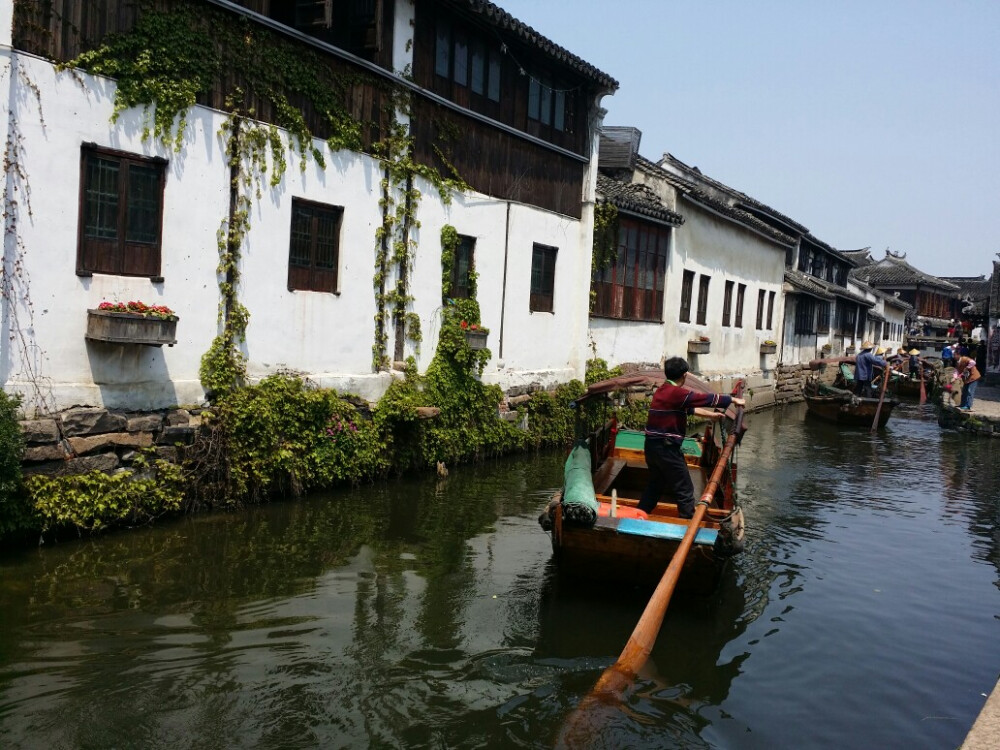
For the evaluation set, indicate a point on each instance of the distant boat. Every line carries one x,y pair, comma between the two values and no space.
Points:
598,533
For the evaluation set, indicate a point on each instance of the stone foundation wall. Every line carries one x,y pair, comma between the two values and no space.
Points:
789,382
76,441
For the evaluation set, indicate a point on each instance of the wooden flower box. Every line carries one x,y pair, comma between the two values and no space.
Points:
768,348
699,347
476,339
849,351
130,328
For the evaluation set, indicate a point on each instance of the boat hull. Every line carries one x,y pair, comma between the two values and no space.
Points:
857,411
610,552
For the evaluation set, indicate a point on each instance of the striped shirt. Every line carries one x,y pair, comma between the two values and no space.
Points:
671,404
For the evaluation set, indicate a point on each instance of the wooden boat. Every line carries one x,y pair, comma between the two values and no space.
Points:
838,402
621,543
844,407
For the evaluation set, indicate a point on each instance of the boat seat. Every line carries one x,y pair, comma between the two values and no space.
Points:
607,474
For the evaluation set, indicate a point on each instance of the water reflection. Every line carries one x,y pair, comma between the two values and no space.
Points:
429,613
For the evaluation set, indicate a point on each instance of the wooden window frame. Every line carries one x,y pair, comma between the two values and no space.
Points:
805,317
632,288
741,293
727,303
311,277
704,282
761,294
770,311
687,295
823,317
543,278
119,256
465,50
461,288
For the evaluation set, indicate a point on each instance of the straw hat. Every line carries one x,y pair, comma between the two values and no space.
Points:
880,350
913,351
866,345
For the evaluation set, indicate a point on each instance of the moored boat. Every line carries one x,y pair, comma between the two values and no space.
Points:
598,532
838,402
846,408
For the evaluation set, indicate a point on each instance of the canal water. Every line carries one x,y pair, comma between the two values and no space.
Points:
427,613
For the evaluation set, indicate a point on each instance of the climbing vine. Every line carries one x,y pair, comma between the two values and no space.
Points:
15,286
399,202
605,248
172,58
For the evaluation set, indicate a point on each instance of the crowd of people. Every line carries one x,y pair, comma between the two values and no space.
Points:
967,352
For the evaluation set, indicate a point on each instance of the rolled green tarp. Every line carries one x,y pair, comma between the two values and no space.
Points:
579,499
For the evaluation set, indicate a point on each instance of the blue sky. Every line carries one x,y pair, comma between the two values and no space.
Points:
873,123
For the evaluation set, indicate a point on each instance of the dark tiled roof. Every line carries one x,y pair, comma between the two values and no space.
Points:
636,198
971,287
892,299
810,285
691,191
737,195
862,257
822,289
895,271
505,22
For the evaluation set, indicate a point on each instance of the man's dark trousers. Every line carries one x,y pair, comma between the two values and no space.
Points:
668,474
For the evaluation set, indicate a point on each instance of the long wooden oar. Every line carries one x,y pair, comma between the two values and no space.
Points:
923,388
881,397
611,686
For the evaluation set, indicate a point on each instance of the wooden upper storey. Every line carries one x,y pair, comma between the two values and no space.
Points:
508,110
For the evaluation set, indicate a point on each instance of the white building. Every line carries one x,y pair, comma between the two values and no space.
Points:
313,266
695,277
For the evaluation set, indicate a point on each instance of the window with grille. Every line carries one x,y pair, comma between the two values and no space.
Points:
687,292
543,278
727,303
463,267
823,317
631,288
314,246
741,293
805,316
703,283
121,213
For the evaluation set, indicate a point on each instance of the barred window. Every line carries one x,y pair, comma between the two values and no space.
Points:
314,246
631,288
687,291
543,278
121,213
703,283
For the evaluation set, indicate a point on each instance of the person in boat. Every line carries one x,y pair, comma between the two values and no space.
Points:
666,426
967,372
914,362
864,369
896,360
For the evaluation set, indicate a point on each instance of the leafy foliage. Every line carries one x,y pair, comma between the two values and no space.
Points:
95,500
15,514
285,437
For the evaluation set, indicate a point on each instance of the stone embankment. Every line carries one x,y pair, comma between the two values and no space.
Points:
789,382
84,439
80,440
983,418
